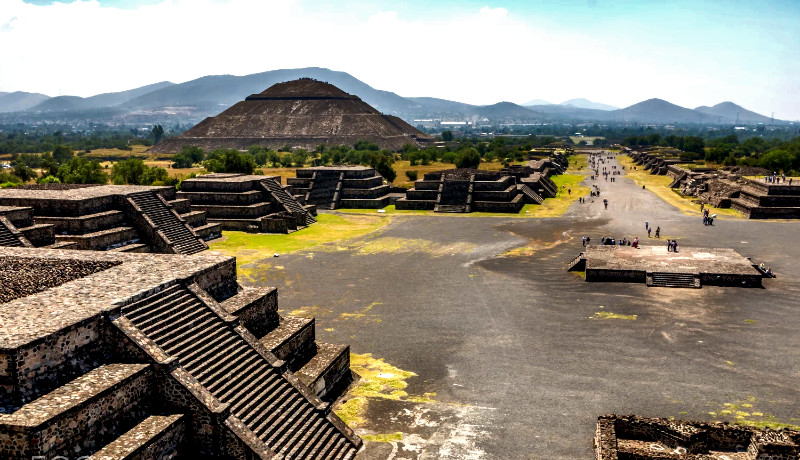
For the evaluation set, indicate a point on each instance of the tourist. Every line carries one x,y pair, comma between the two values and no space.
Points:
648,232
646,225
674,245
635,242
669,245
605,203
584,241
658,232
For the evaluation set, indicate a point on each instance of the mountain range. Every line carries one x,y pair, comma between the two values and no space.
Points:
206,96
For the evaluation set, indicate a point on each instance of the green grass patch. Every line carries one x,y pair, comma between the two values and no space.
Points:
249,247
386,437
609,315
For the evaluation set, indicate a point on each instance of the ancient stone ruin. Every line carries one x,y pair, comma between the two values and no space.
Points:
121,355
121,218
658,267
300,113
258,204
333,187
472,190
639,438
756,199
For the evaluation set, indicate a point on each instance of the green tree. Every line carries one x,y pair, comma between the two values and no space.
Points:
383,166
259,154
412,175
79,170
188,156
447,136
158,133
230,161
468,158
62,154
48,180
129,171
49,165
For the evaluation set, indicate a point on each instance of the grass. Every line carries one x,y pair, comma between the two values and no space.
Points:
660,186
249,247
609,315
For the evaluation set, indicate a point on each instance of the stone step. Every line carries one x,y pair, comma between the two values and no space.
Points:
292,339
231,369
86,413
62,245
327,373
102,240
156,437
177,232
209,231
133,248
85,224
684,280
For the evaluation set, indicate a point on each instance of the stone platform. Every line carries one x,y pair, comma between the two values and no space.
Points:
632,437
334,187
123,218
124,355
654,265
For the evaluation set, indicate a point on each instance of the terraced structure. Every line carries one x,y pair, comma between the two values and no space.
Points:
155,356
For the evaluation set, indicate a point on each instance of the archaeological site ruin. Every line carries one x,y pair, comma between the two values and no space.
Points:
119,355
472,190
637,438
120,218
257,204
300,113
333,187
755,198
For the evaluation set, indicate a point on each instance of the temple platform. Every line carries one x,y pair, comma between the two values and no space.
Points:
657,267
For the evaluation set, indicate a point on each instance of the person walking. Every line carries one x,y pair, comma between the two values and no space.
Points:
648,232
658,232
646,225
584,241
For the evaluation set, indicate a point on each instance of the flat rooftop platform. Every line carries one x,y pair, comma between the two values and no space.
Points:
658,259
224,177
65,287
61,192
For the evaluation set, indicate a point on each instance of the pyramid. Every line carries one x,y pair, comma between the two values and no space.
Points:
300,113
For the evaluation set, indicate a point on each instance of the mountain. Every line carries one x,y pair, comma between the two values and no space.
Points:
537,102
506,110
733,112
659,111
20,100
212,94
567,112
439,107
64,103
582,103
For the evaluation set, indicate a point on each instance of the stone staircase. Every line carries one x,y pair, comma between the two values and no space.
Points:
177,233
675,280
276,408
577,264
281,196
7,236
530,195
453,196
678,179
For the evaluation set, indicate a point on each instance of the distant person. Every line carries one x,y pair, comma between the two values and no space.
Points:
658,232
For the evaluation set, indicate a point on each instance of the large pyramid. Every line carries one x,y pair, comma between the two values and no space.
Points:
299,113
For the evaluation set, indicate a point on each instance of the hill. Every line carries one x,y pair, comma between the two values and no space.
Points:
582,103
20,100
729,110
658,111
100,101
507,110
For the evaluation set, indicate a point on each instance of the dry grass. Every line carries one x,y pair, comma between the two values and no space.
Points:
660,186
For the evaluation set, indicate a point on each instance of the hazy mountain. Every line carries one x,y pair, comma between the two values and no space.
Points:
659,111
62,103
537,102
20,100
732,112
215,93
436,107
506,110
567,112
582,103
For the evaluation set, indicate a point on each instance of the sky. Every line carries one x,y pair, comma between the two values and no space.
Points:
690,53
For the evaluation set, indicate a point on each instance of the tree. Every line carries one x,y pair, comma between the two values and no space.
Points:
412,175
79,170
383,165
468,158
24,172
62,154
447,136
49,165
128,171
259,154
158,133
230,161
188,156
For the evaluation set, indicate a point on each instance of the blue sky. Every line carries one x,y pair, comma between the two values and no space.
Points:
616,52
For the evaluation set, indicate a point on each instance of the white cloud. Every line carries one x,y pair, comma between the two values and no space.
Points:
479,56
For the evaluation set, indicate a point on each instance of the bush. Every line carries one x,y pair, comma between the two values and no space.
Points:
412,175
79,170
468,158
230,161
48,180
188,156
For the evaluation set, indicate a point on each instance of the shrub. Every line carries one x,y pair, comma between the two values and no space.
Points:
412,175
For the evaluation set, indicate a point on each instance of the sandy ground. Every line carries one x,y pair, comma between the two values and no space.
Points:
509,348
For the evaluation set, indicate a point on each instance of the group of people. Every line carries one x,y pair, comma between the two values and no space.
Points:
708,220
776,179
624,241
672,245
650,230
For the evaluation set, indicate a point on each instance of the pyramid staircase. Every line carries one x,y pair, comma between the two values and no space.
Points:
184,325
530,196
10,236
169,227
282,197
677,181
454,196
675,280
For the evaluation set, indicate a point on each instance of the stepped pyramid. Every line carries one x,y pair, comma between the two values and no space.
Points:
155,356
299,113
